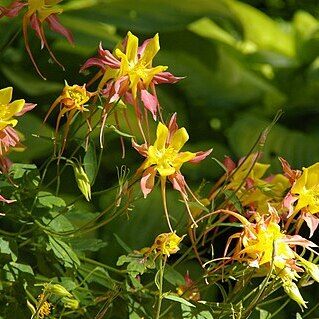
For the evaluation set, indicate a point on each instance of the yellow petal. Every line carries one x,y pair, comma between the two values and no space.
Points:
13,108
4,124
165,171
182,158
131,47
151,50
313,175
6,95
300,183
179,139
161,136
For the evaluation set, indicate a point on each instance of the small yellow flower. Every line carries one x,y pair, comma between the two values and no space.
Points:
7,109
167,243
71,100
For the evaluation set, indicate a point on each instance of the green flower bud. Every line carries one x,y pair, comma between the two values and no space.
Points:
57,290
82,180
293,292
70,303
311,268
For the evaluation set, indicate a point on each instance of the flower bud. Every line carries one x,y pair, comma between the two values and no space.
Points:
57,290
311,268
70,303
82,180
293,292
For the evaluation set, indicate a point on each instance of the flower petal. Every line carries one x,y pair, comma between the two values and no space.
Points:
179,138
6,95
161,136
131,47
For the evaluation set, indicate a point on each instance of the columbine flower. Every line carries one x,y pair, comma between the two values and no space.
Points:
264,243
9,138
9,109
37,12
167,244
72,99
304,197
251,188
165,158
128,72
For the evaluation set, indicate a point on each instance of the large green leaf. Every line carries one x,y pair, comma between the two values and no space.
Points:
262,30
154,16
296,147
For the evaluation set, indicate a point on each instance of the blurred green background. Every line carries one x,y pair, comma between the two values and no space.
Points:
243,62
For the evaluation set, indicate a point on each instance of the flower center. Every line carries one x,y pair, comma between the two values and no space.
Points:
166,157
4,111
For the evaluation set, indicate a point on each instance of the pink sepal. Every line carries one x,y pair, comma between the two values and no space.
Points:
57,27
147,180
200,156
150,102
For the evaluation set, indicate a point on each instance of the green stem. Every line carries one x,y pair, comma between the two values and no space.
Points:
96,263
160,286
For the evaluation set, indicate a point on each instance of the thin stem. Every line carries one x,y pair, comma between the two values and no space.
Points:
160,286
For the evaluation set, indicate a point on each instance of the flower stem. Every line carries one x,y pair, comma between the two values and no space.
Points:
160,276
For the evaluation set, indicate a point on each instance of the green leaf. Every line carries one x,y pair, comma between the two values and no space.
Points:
19,170
87,244
298,315
263,314
173,276
29,84
9,248
254,23
37,138
297,148
46,199
64,252
195,313
57,222
178,299
156,15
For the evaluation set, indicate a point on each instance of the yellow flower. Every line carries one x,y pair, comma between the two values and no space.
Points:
306,189
7,109
248,169
167,243
165,155
138,67
128,74
265,243
71,100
